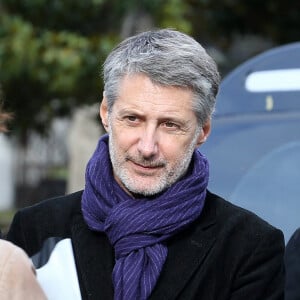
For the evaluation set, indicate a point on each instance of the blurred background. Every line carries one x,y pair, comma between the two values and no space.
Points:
51,55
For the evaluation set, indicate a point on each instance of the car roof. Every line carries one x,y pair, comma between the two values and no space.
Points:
273,76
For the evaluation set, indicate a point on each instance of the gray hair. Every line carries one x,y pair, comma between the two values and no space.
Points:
169,58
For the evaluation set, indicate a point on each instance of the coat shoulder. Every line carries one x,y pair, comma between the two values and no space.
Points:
56,208
237,219
48,218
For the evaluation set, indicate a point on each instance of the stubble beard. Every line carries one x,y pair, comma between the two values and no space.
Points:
157,185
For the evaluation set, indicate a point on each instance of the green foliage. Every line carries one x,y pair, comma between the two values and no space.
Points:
51,52
84,17
174,14
220,21
45,73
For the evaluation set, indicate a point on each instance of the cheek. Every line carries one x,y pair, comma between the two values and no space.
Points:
173,149
122,141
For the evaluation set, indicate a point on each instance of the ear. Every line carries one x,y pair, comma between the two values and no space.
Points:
204,133
104,114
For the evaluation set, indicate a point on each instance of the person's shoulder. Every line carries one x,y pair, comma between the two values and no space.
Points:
224,209
5,247
294,242
17,275
57,211
234,217
59,205
8,250
296,235
11,255
50,217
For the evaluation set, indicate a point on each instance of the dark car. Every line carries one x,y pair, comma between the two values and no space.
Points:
254,147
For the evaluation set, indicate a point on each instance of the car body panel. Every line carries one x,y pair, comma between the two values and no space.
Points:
254,146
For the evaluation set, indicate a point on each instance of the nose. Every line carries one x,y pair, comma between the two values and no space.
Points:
148,142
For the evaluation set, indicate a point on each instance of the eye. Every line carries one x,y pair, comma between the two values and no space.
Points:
131,118
170,125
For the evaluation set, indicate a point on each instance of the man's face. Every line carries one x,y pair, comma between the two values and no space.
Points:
153,132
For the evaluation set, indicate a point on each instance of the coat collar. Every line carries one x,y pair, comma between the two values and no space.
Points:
95,260
186,252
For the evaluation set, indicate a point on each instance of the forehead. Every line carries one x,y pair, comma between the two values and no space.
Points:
138,91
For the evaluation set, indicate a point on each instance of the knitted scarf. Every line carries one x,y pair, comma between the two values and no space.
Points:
137,228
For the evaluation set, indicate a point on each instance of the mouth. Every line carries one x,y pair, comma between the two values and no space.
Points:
146,168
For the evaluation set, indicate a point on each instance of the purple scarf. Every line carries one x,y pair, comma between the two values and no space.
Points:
137,228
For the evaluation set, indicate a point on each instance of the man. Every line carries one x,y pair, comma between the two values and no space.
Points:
292,263
146,227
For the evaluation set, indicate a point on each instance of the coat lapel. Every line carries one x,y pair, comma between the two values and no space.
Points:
95,259
186,253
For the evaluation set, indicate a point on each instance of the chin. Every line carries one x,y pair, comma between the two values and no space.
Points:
144,191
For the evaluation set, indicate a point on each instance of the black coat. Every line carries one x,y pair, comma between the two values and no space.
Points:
228,253
292,260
